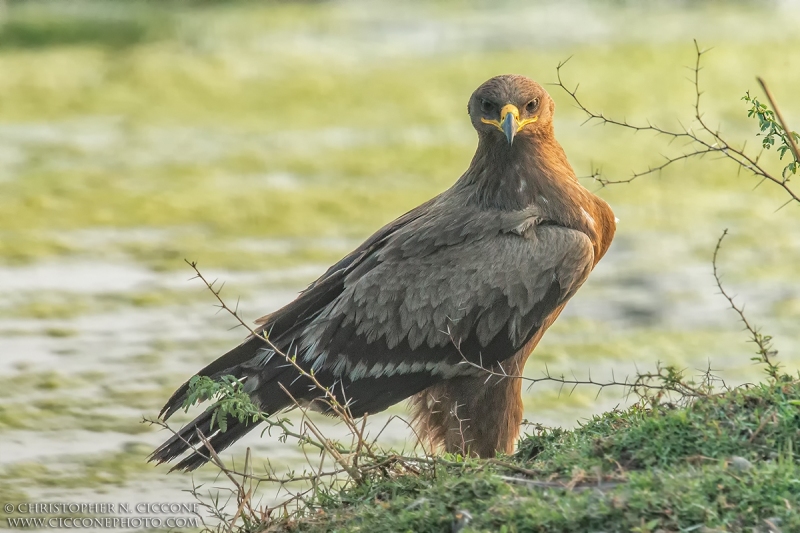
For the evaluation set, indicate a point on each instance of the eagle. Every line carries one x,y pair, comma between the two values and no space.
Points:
456,290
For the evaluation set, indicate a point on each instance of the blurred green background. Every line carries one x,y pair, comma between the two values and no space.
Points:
264,140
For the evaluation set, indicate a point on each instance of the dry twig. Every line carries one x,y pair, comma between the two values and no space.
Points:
774,104
702,142
764,342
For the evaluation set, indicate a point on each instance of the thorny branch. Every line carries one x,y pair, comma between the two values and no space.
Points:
702,141
341,410
371,462
649,386
766,353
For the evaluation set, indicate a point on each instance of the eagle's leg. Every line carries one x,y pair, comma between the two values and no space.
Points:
473,416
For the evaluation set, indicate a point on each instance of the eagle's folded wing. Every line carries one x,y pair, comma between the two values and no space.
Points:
416,310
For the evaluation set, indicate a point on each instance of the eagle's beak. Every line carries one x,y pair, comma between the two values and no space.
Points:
509,122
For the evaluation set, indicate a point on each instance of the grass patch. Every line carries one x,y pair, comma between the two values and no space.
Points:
55,305
89,401
725,463
60,333
28,382
61,414
10,491
116,468
44,24
145,399
584,342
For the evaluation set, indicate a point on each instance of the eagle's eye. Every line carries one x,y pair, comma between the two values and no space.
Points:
487,107
532,105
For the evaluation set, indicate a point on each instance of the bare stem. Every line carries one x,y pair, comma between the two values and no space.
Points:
702,141
786,130
763,342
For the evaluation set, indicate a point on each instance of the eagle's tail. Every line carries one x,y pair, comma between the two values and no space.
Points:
188,438
268,394
220,367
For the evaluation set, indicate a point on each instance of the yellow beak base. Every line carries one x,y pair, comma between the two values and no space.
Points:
509,122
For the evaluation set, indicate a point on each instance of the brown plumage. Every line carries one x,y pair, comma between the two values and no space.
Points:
475,275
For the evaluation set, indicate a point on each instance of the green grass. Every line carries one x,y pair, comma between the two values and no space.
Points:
113,468
67,414
90,401
65,305
725,463
44,24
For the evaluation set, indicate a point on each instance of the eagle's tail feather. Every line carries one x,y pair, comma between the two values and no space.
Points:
224,365
272,384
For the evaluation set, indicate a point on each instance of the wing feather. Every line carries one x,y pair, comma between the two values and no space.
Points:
481,298
433,288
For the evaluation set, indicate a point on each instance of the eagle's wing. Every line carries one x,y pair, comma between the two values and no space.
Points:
288,322
427,294
432,298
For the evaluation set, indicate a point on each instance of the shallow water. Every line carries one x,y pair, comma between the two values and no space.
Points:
271,142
